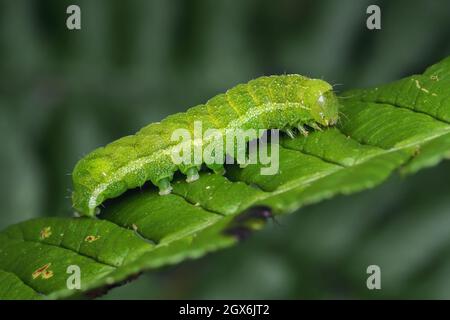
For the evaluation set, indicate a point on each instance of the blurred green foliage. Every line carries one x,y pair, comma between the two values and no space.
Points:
63,93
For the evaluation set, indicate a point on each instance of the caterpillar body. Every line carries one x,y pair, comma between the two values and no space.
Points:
274,102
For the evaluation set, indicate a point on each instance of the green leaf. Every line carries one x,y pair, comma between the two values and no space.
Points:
404,125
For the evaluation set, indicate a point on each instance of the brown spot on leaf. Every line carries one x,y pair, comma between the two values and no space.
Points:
91,238
47,274
46,232
44,272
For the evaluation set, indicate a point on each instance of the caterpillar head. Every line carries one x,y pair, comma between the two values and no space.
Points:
323,103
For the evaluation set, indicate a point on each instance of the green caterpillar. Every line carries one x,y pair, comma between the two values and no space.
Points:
275,102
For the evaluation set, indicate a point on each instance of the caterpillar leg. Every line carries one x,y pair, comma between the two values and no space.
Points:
164,187
243,165
192,175
315,126
302,130
290,133
218,168
220,171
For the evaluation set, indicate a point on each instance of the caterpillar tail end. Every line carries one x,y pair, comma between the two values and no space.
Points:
192,175
164,187
91,212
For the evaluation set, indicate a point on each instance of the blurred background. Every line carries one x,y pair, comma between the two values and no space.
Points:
64,93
